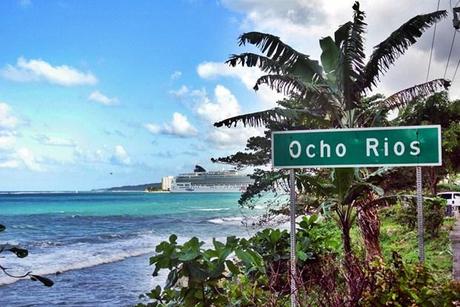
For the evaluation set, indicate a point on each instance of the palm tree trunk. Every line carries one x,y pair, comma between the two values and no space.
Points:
354,275
369,225
346,239
433,180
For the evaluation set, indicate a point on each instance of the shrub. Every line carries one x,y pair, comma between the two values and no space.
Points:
433,211
247,272
399,284
448,187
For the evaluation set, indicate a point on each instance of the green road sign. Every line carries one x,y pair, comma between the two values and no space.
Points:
357,147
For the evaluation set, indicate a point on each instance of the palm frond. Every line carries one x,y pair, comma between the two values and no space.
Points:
295,62
254,60
407,95
270,45
386,53
330,54
342,178
312,183
294,87
352,58
355,47
285,84
342,34
358,189
264,181
265,117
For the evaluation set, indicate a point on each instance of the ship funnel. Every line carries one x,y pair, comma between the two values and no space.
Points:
199,169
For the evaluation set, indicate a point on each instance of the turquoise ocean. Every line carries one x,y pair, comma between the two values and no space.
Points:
95,246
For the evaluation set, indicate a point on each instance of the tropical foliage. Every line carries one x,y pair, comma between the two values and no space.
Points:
331,93
437,109
200,276
254,272
433,210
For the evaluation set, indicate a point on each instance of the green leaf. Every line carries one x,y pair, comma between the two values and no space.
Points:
155,293
188,255
190,250
224,253
217,272
275,235
330,54
217,245
172,279
245,257
301,255
20,252
232,267
196,272
342,33
343,178
45,281
155,271
172,238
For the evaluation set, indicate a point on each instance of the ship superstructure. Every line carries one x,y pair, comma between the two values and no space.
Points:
214,181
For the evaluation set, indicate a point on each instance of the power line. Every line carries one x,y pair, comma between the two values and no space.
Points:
458,63
455,73
450,53
432,45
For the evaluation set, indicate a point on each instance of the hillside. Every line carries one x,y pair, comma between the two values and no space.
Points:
139,187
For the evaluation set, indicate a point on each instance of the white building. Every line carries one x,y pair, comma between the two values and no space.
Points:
166,183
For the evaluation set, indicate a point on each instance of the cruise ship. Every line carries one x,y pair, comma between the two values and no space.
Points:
215,181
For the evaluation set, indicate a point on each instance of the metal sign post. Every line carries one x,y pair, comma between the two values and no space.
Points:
421,243
293,244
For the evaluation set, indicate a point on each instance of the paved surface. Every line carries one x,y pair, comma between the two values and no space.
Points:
455,238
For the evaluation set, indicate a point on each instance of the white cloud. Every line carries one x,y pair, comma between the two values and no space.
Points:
247,75
98,97
179,126
88,156
212,70
7,142
181,92
9,164
176,75
54,141
27,157
232,138
120,156
225,106
301,23
8,124
152,128
39,70
7,120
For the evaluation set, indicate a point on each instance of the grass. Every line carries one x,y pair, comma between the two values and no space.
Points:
398,238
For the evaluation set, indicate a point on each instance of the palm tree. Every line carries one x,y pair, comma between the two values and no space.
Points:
333,94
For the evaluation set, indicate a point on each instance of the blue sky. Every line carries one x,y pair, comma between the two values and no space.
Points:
103,93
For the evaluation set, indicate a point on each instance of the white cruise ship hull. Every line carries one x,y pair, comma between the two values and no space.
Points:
207,189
